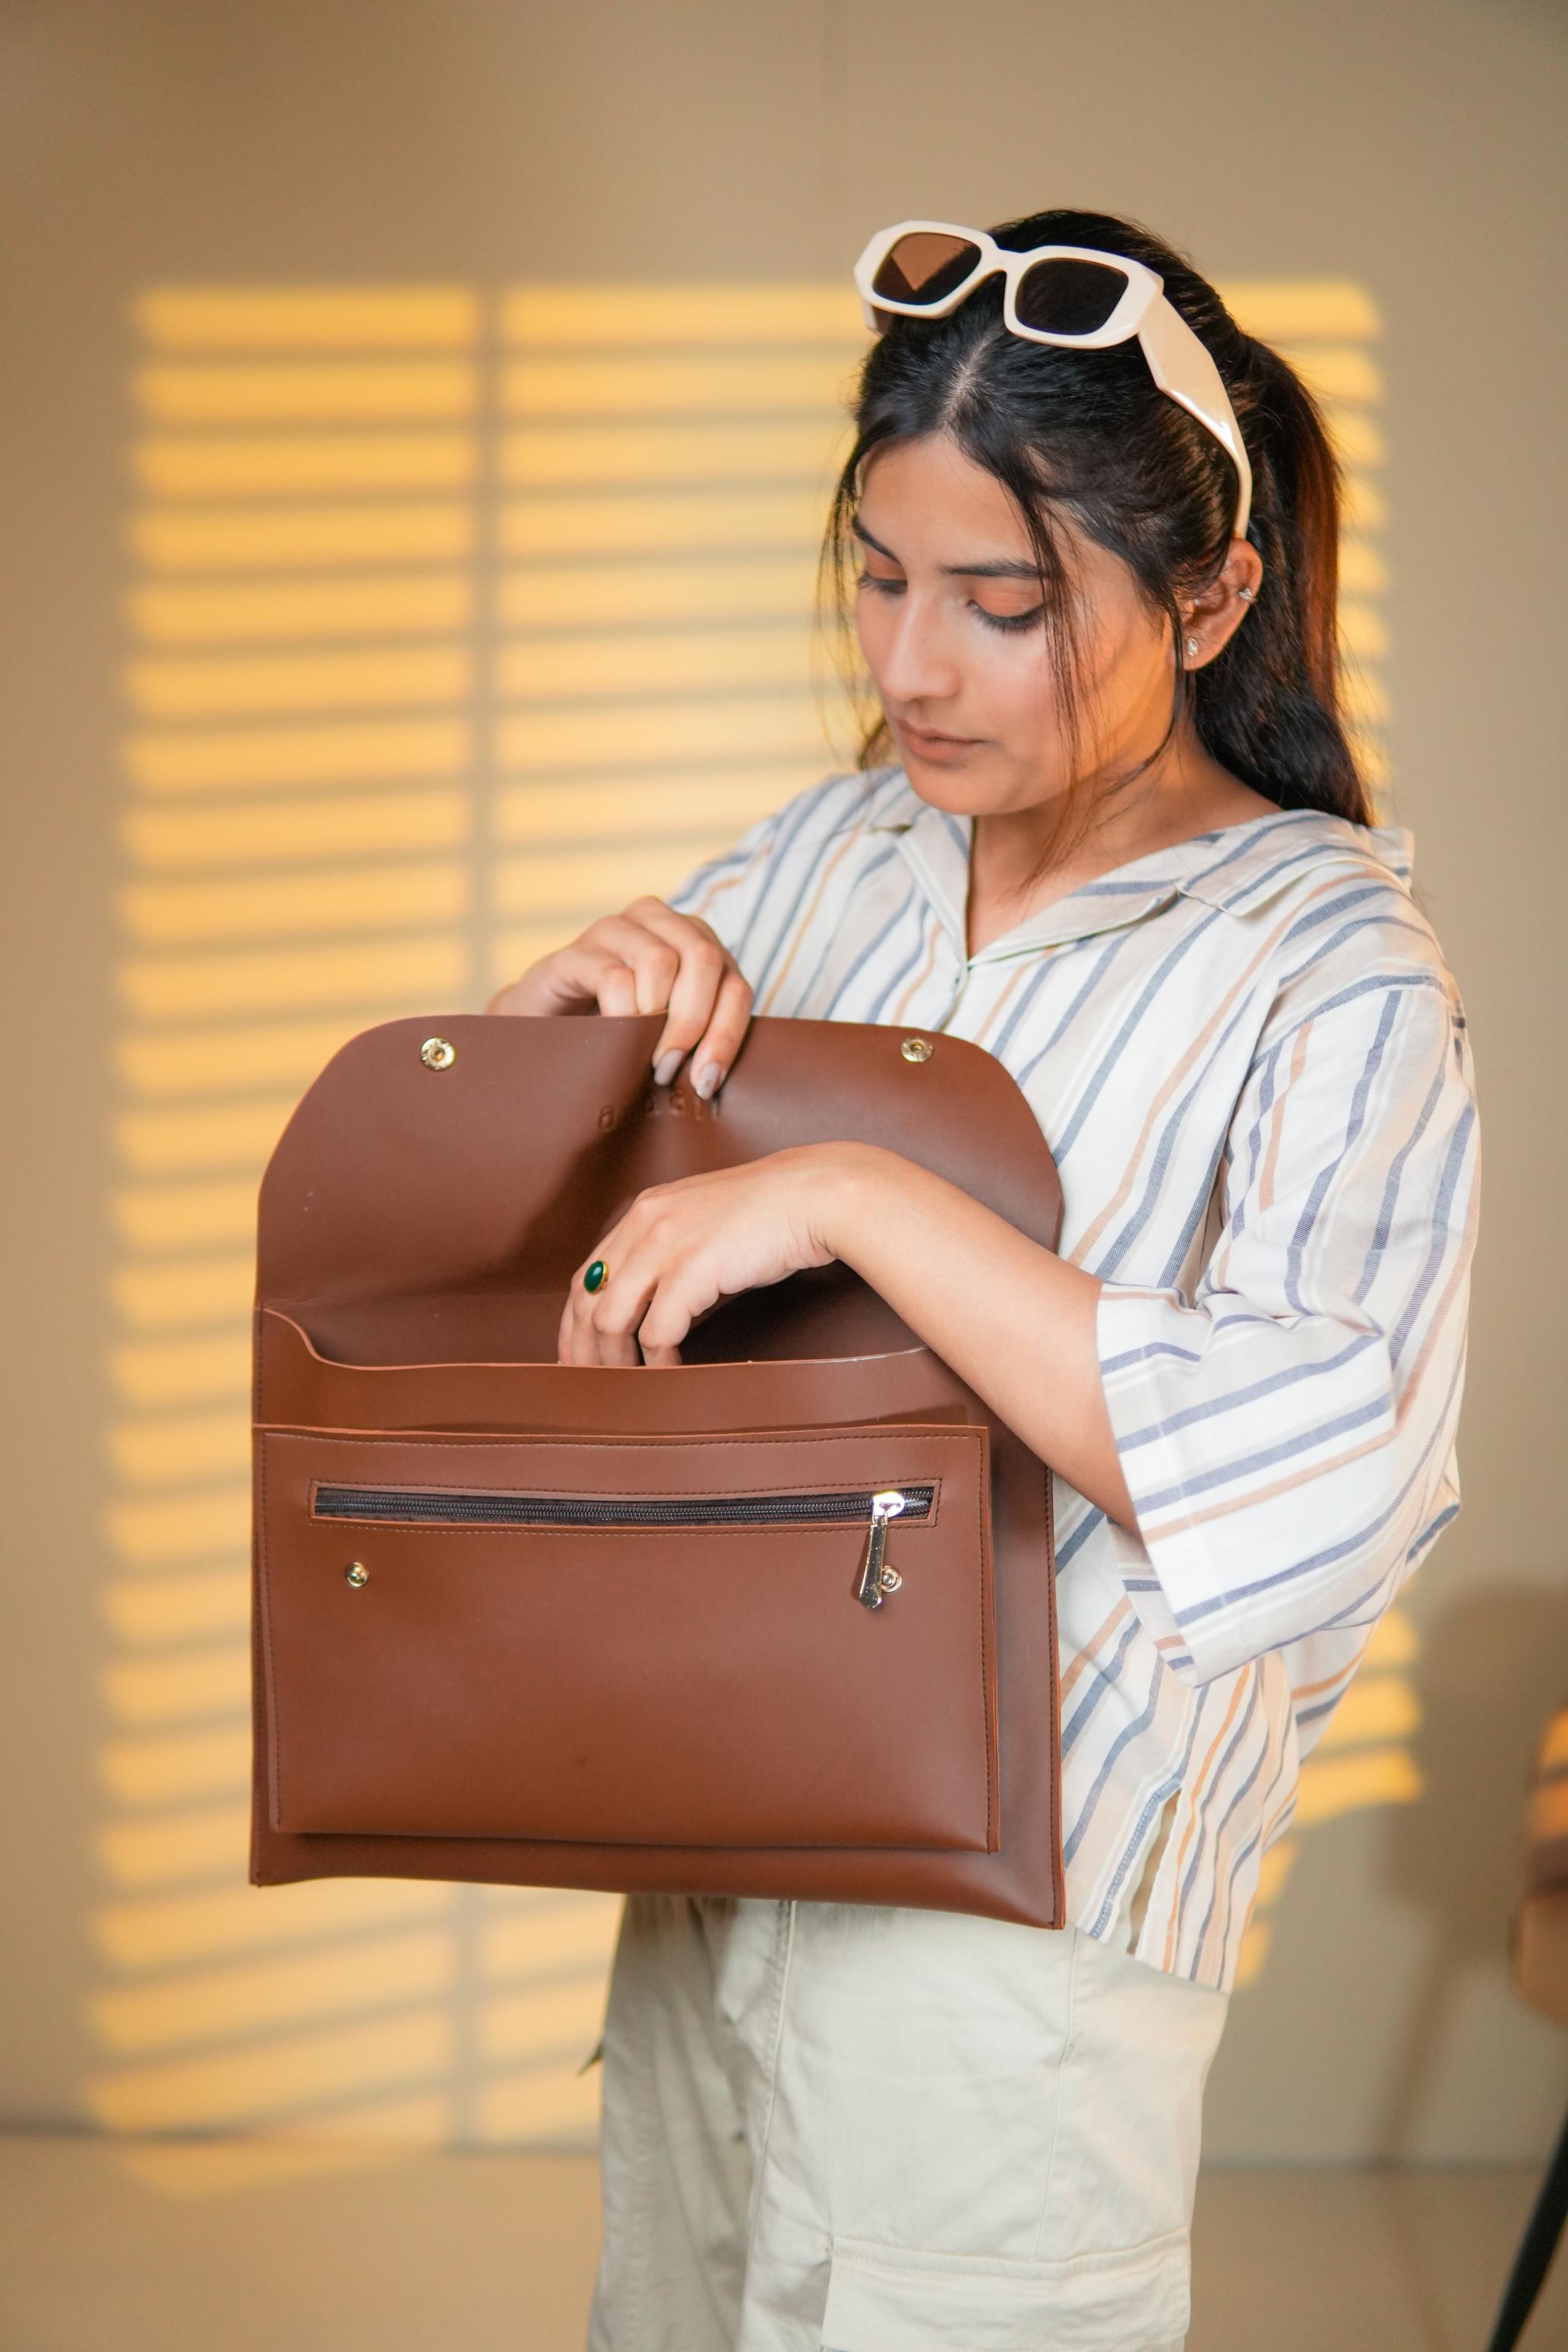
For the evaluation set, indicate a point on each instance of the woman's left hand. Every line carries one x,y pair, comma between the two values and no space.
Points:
685,1247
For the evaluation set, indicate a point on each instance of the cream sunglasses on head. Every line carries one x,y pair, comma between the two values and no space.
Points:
1067,294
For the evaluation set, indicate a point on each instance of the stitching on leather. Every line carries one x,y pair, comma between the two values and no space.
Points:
861,1436
993,1766
1058,1859
418,1442
275,1758
511,1364
445,1449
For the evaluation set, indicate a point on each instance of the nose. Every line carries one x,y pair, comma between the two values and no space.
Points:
914,667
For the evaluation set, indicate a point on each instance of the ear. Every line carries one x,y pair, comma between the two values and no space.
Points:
1214,614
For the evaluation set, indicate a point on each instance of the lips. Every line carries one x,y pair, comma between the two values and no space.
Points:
922,737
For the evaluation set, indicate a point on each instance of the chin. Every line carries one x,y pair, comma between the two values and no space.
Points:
960,787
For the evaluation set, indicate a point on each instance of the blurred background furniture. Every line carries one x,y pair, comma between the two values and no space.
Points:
1540,1971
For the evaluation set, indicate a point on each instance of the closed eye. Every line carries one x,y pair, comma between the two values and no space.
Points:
1006,623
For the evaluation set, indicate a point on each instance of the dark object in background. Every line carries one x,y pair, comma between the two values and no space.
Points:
1540,1972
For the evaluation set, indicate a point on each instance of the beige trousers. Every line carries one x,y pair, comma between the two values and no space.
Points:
840,2127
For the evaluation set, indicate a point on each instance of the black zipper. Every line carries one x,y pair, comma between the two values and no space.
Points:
494,1507
497,1506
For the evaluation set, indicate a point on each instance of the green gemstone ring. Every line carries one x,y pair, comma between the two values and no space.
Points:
598,1274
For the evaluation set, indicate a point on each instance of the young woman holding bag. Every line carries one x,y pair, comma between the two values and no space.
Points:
1109,825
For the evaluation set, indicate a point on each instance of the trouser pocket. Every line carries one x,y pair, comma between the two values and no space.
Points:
890,2299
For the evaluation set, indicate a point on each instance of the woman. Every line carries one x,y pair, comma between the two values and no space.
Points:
1109,825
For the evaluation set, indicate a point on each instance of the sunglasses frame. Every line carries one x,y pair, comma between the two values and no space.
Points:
1181,364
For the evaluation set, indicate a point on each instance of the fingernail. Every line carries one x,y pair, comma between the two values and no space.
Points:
707,1079
664,1068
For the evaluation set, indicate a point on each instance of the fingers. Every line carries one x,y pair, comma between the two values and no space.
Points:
710,1004
712,1038
622,966
580,1342
617,964
603,1326
580,1339
649,958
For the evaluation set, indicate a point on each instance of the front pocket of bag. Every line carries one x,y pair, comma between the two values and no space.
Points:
662,1640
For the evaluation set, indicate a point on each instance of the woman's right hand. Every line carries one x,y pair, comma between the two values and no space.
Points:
648,959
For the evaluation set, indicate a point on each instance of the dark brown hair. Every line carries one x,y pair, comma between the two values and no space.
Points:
1090,431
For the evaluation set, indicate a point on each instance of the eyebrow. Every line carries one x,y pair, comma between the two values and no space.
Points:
998,571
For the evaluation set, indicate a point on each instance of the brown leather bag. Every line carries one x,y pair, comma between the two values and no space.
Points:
777,1621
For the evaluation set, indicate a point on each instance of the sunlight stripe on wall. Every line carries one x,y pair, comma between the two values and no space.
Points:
1365,1759
314,317
259,538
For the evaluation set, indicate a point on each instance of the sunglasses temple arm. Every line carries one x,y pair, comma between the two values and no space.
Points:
1181,367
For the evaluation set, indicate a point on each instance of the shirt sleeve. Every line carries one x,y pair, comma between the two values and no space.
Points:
1287,1434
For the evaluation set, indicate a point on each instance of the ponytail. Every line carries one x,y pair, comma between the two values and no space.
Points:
1267,706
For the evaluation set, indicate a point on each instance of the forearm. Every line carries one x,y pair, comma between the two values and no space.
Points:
1015,1321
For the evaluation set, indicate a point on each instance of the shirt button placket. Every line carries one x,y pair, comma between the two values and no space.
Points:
961,974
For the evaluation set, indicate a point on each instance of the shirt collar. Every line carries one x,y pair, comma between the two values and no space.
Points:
1233,870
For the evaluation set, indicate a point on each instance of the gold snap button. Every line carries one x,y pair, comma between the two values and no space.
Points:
357,1572
438,1054
917,1049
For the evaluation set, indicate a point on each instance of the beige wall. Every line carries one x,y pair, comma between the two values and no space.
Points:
1402,149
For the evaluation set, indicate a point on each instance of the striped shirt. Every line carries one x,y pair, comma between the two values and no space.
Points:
1250,1061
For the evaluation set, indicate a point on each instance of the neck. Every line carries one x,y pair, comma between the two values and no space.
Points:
1186,792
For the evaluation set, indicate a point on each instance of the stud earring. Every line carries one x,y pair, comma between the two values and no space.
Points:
1191,645
1245,594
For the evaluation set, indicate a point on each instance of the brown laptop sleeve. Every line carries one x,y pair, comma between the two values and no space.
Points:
778,1620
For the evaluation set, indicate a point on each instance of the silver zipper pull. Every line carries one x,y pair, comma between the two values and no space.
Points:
876,1579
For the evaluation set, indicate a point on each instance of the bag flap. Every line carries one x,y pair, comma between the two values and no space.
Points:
448,1202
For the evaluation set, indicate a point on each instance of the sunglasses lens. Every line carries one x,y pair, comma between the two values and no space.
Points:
1070,298
924,266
